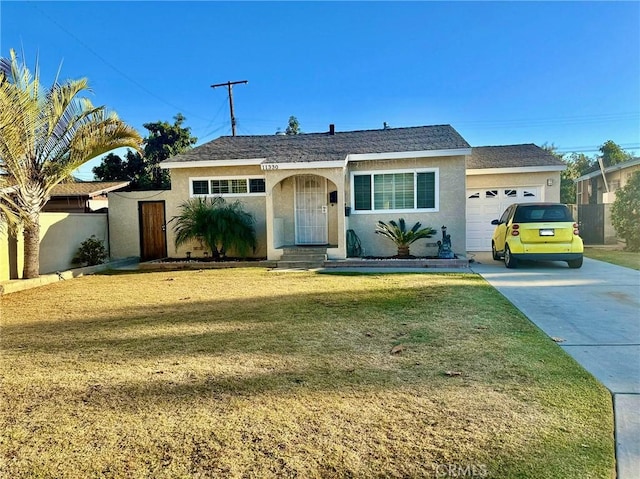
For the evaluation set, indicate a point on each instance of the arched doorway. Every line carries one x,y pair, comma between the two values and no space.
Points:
311,220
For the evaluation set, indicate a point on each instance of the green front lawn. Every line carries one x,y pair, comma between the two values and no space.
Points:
628,259
250,373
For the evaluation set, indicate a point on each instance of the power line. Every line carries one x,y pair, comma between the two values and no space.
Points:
114,68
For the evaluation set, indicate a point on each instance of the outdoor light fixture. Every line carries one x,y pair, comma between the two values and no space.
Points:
550,182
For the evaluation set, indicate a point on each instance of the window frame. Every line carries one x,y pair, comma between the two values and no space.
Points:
208,179
415,209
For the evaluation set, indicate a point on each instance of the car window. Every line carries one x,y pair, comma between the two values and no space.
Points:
505,215
542,213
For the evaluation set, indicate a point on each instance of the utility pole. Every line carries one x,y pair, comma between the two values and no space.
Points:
229,85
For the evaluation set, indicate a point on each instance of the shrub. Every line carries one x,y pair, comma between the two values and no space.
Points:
625,213
401,237
91,252
220,225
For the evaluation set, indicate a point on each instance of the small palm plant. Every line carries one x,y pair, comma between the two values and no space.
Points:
219,225
402,238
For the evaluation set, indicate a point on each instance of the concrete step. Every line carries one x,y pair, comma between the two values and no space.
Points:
302,257
304,249
299,264
317,257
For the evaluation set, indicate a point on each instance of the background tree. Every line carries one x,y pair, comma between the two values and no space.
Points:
625,212
46,134
612,154
220,225
577,165
163,141
294,126
112,168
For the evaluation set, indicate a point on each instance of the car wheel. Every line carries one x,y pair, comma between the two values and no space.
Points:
575,263
509,261
494,253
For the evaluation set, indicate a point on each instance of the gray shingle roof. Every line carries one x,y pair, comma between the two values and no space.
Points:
87,188
311,147
511,156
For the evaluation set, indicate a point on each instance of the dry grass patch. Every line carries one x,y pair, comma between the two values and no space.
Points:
249,373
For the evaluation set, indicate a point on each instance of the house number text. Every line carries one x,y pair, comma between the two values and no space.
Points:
269,166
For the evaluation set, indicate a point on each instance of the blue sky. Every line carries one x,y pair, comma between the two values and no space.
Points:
500,73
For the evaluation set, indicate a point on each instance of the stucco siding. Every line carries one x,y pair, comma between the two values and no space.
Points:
61,235
124,222
180,191
450,212
11,253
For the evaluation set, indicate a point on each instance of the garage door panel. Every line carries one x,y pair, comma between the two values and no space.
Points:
485,205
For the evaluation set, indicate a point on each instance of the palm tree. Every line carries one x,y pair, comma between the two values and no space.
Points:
46,134
220,225
402,238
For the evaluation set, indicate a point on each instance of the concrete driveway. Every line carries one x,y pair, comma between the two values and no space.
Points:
596,311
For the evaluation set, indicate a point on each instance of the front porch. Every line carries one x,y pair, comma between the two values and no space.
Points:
305,210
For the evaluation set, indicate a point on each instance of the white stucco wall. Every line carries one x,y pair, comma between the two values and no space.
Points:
61,235
124,223
450,213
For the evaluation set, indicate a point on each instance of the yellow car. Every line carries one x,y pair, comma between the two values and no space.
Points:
539,232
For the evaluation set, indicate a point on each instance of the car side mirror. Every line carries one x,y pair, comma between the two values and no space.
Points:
495,222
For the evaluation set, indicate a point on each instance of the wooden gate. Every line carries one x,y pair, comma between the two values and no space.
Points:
591,218
153,237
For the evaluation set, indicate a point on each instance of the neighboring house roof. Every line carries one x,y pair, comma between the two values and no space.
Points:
512,156
87,188
610,169
322,147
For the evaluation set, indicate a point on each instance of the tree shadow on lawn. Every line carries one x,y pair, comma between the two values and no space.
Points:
224,357
148,331
326,340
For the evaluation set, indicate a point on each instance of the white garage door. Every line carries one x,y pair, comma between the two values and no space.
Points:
487,204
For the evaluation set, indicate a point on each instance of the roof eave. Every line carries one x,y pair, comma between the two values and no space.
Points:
514,169
167,164
400,155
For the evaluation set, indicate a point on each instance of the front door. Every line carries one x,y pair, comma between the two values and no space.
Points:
311,210
153,238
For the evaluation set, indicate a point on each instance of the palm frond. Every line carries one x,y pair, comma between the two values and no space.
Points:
398,233
45,134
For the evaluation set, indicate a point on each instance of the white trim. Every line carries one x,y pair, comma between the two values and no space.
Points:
225,177
401,155
305,165
301,165
209,163
512,170
415,171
